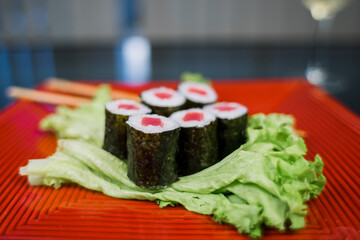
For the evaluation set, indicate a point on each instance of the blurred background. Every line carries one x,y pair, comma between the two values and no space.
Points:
139,41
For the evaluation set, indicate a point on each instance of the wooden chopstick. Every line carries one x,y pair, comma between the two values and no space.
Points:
45,97
62,85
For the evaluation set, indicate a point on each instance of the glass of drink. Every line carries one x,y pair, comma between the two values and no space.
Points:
324,12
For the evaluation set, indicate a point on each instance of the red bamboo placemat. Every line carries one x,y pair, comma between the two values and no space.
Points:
76,213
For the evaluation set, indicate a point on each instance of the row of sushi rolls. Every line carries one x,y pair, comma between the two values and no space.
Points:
173,133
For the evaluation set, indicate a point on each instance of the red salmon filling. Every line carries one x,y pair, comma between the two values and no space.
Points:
128,107
146,121
225,108
193,116
163,95
197,91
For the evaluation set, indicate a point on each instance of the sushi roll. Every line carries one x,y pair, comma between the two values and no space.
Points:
197,94
232,121
198,146
116,114
163,101
152,143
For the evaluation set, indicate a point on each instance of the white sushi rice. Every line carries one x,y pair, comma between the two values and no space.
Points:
240,110
136,122
210,96
150,98
113,108
179,115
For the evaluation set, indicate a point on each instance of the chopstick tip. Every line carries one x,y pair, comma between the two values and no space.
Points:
53,79
12,91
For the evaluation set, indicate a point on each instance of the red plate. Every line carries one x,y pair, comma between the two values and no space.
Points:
76,213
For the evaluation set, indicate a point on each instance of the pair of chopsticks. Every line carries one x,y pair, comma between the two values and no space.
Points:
72,93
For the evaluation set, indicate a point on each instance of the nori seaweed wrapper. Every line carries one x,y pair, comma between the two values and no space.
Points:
198,148
231,134
192,104
152,157
164,111
115,134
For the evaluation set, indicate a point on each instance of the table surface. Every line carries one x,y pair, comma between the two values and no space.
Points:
73,212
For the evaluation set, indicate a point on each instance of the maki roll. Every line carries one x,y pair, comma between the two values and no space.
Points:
198,146
197,94
116,114
232,121
152,143
163,101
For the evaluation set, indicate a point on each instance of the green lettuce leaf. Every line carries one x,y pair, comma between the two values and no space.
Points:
194,77
91,167
86,122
